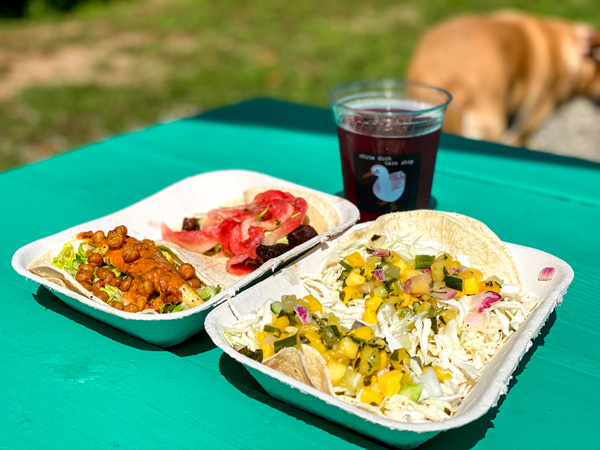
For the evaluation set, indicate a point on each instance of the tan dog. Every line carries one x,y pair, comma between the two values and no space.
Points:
507,71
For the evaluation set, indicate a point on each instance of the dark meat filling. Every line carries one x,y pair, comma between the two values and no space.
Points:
266,252
299,236
190,224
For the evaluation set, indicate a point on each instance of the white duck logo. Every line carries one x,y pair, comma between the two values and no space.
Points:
388,187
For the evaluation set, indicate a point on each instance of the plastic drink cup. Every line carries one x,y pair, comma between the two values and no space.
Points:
389,132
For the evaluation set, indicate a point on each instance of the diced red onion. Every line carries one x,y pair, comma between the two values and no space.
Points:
356,325
455,270
547,273
379,274
484,300
303,314
378,252
476,320
444,294
427,270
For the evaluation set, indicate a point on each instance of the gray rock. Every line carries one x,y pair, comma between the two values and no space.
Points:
573,130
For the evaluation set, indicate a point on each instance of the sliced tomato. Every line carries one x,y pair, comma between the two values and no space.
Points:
241,229
288,222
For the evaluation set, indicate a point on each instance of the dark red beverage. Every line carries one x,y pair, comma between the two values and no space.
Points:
387,174
389,132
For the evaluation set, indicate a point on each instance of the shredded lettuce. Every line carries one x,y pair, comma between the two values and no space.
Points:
167,254
208,292
114,294
172,307
69,260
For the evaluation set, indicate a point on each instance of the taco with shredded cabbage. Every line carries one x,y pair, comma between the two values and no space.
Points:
399,320
125,273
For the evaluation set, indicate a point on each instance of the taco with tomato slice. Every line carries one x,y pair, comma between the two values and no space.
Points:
125,273
240,238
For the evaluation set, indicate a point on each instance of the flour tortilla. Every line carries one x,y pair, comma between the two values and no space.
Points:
305,365
209,269
459,234
290,361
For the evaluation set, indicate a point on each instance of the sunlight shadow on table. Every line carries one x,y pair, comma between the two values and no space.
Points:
239,377
50,301
195,345
467,436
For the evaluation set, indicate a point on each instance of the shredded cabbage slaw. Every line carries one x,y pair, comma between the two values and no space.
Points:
458,349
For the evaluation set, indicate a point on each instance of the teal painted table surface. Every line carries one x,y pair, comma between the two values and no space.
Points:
68,381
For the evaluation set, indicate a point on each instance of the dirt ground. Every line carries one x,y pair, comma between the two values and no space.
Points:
80,53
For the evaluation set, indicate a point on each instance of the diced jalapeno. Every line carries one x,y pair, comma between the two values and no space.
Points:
290,341
392,287
424,261
345,265
369,360
381,291
358,340
399,359
434,325
392,271
331,335
272,330
377,342
454,282
255,355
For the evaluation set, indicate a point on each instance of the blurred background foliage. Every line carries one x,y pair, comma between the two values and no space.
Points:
24,8
74,72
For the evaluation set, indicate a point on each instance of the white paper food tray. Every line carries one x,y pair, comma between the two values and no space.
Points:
492,384
192,195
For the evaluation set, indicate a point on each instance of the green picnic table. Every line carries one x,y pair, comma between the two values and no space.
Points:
68,381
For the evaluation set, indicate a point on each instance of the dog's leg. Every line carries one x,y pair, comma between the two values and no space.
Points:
527,123
484,119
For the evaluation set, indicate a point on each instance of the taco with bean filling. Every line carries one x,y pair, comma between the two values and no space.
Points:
124,272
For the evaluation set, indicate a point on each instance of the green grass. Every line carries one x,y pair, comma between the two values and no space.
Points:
234,50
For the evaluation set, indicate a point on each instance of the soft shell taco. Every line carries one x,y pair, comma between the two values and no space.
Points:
400,318
267,224
459,234
126,273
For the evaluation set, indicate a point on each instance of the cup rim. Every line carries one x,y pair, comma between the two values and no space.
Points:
382,85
